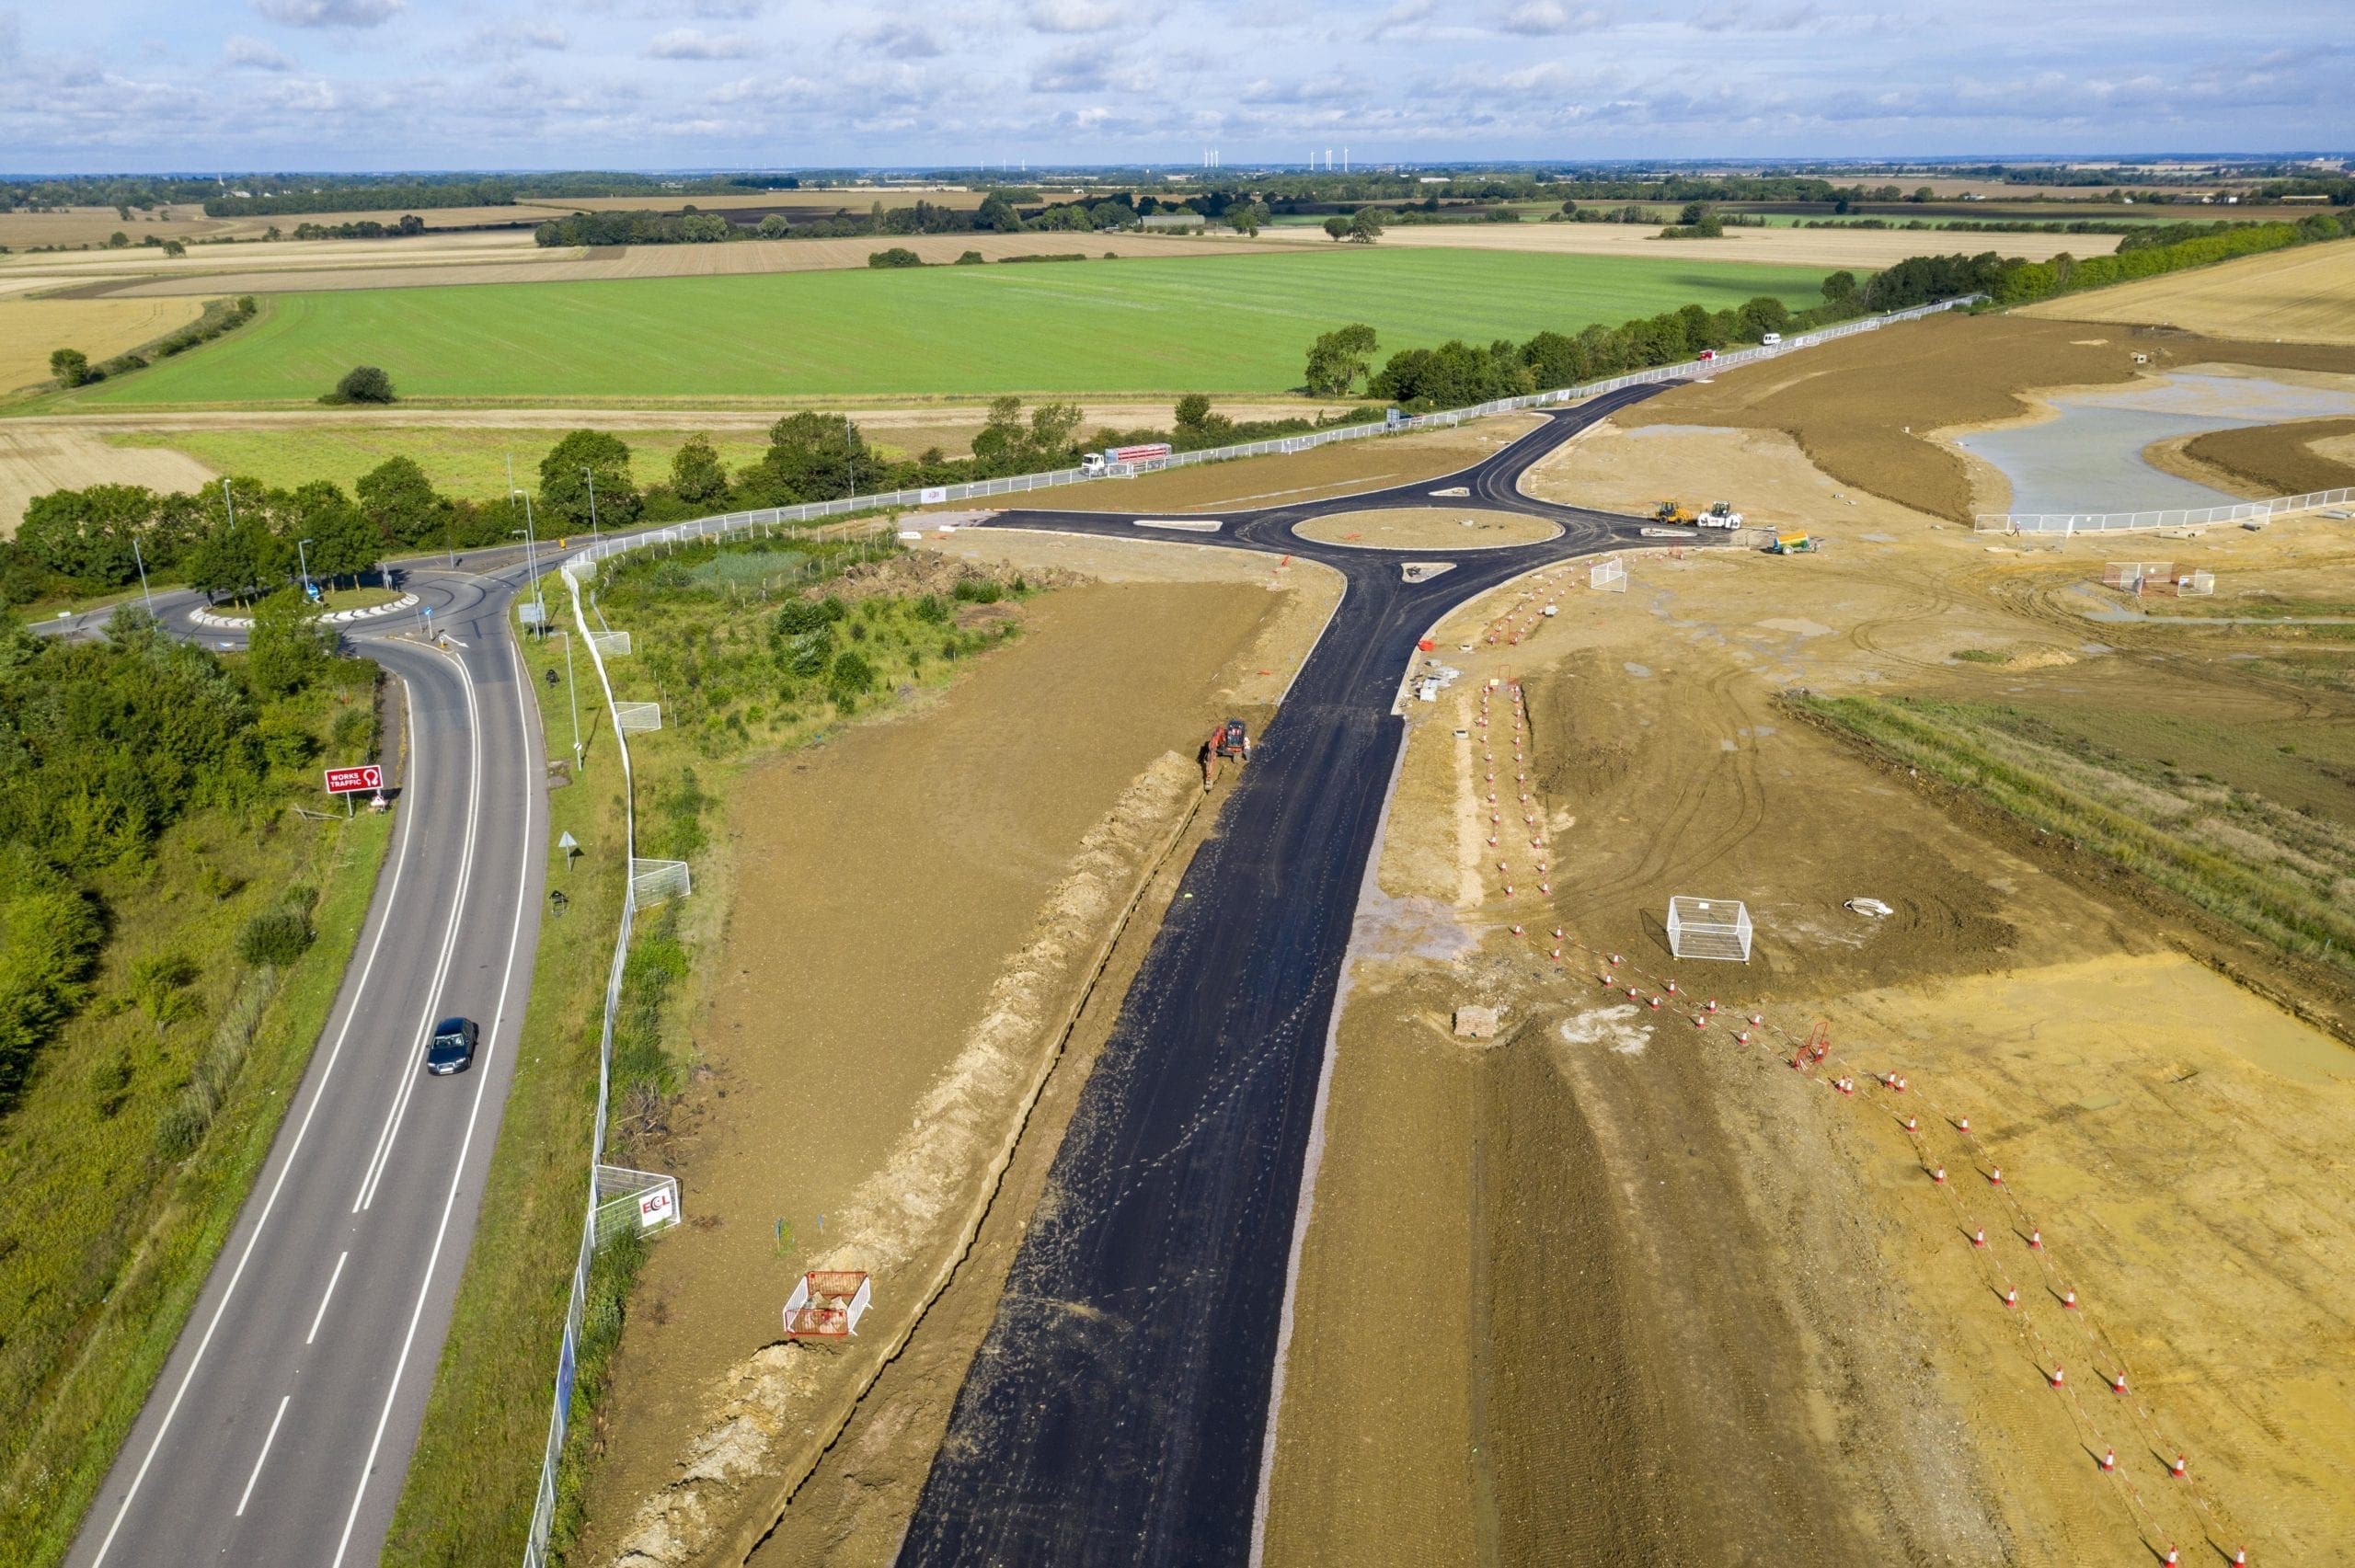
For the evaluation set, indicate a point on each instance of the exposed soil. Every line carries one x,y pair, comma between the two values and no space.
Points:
35,461
1341,468
2276,460
875,966
1614,1287
2299,294
1865,409
1873,249
1427,528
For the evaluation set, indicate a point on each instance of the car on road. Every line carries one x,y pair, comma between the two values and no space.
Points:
452,1048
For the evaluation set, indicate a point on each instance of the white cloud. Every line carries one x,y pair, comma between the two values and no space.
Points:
693,43
1075,15
329,13
897,39
254,55
1550,17
1079,69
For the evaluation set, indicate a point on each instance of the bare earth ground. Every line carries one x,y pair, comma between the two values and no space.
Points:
2298,295
1867,409
30,329
35,461
1339,469
1874,248
1427,528
875,966
1616,1289
2267,460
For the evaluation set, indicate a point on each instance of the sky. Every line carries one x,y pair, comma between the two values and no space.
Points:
358,85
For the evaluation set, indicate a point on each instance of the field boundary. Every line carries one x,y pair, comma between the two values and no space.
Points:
2070,523
582,564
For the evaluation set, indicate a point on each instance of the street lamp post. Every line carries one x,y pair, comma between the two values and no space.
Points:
586,473
303,555
532,561
143,577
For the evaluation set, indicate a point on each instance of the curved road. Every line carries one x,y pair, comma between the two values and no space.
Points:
280,1429
1116,1409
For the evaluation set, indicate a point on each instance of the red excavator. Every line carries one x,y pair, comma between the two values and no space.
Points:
1227,739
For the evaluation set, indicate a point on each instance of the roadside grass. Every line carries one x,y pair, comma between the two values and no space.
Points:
129,1155
467,463
703,625
1217,324
2285,875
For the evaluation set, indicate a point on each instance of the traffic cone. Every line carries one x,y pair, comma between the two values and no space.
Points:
2060,1376
1962,1124
1712,1004
2109,1460
2035,1240
1671,988
1995,1177
1742,1039
2069,1300
2118,1384
1614,959
1558,933
1655,1003
1979,1238
1631,994
1756,1019
2240,1559
2011,1296
1516,929
2177,1468
1939,1175
1911,1126
2169,1560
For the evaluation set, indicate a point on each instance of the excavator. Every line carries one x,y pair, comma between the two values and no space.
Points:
1228,739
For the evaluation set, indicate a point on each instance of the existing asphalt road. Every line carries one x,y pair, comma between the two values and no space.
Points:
280,1429
1117,1411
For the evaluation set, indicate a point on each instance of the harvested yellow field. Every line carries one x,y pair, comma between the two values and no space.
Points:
2305,295
858,198
1814,247
36,459
95,225
29,329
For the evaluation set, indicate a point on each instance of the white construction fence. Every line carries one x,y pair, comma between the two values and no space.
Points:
2068,524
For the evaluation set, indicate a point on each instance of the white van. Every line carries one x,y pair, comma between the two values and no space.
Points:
1771,340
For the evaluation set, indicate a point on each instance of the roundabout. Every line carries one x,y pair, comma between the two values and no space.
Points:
1427,528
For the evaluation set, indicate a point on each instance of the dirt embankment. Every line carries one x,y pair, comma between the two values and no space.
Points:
1865,409
2277,460
879,1019
1667,1300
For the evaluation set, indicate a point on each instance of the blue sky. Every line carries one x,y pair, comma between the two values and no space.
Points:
670,84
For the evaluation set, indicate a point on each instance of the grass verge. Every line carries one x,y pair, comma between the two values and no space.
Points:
709,624
81,1412
2286,877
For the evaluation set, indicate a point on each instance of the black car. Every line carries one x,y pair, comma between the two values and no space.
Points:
453,1049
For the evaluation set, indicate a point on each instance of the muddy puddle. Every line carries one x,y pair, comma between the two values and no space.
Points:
2090,456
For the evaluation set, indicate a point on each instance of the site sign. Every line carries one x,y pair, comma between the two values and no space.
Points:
351,781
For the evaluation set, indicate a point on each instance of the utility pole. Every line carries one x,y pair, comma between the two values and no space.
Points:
568,680
143,577
592,477
302,554
531,560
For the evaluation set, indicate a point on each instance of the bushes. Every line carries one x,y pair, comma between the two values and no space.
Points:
898,256
361,384
50,934
275,938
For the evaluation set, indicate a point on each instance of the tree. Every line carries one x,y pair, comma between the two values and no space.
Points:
1338,359
1337,226
86,534
812,456
401,503
565,489
1244,218
175,248
695,472
997,214
286,649
897,256
363,384
968,259
773,226
1840,288
69,366
343,543
1366,227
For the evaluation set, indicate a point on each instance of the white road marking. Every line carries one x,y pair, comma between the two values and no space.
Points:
321,1316
411,1069
246,1495
524,711
392,901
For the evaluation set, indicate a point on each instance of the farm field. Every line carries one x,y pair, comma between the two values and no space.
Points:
2301,295
1856,250
29,329
1231,324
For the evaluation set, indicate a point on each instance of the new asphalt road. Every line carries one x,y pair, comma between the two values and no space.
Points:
1118,1408
280,1430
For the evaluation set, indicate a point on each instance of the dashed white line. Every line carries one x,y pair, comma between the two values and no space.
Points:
321,1316
376,944
260,1460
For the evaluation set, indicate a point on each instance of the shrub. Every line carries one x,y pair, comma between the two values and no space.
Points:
898,256
971,258
977,590
806,654
800,615
276,937
852,674
930,608
69,366
364,383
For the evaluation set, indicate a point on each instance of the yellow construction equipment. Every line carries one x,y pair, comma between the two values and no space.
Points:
1797,543
1671,511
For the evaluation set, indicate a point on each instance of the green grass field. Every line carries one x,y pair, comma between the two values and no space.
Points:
1220,324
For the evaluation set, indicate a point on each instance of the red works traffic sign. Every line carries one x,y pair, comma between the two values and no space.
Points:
350,781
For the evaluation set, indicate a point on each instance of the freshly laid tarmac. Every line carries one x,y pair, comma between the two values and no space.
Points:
1118,1410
